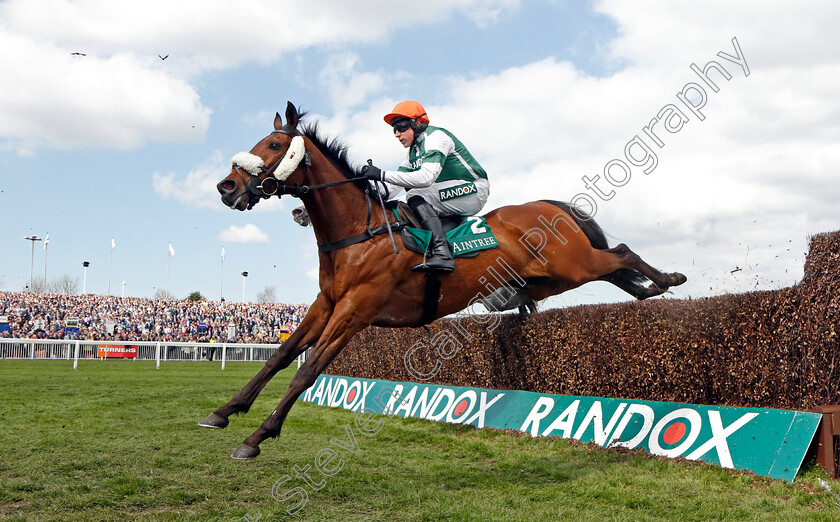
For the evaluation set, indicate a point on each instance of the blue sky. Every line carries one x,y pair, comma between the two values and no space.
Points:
121,144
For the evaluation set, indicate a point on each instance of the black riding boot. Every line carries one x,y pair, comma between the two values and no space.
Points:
439,259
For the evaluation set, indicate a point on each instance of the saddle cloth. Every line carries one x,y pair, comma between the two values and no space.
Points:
467,235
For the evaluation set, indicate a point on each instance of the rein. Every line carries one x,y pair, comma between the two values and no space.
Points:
369,233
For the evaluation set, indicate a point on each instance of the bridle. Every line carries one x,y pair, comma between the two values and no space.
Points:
272,186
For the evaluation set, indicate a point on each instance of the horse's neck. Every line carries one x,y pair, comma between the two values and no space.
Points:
336,212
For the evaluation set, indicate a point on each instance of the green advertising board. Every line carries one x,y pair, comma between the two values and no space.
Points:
765,441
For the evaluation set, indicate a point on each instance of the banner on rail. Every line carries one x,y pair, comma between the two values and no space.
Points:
116,350
765,441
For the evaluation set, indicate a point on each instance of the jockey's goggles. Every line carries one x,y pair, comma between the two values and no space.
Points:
401,124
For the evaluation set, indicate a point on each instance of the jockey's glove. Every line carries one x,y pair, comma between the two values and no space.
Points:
372,173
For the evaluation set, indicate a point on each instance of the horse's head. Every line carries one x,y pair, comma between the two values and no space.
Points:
258,174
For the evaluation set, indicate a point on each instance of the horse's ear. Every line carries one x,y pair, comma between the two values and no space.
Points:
278,121
292,116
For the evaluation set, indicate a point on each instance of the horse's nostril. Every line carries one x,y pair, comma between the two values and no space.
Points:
226,186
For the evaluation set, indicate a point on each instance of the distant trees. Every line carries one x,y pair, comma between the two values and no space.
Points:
66,285
160,293
39,286
267,295
195,296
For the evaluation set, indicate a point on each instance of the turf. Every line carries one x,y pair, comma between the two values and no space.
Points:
116,440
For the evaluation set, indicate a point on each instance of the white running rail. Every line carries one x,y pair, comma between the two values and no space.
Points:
159,351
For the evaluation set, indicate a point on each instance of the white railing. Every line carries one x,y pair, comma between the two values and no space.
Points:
159,351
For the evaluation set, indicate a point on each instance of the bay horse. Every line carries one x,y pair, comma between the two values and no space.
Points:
549,247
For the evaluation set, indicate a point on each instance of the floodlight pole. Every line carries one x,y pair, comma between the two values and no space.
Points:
46,242
32,238
85,264
168,257
244,275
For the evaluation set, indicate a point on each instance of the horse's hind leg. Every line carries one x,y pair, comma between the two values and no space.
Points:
306,333
631,283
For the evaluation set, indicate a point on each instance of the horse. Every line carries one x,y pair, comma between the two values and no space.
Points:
544,248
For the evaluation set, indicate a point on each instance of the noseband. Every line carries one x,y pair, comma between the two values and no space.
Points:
271,185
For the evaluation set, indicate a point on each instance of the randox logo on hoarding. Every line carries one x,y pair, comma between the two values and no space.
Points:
765,441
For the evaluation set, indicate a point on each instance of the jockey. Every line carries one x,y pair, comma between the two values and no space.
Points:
439,175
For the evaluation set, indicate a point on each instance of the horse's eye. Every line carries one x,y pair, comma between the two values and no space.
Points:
274,146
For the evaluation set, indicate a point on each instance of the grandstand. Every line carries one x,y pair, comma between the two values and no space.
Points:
110,318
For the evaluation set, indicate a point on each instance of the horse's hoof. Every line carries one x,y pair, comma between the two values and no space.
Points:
214,421
244,452
678,279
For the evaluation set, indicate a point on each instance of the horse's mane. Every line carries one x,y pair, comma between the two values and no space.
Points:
334,149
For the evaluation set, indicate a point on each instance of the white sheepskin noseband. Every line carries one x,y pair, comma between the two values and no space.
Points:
254,164
291,160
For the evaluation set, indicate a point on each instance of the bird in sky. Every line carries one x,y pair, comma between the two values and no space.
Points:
78,54
163,57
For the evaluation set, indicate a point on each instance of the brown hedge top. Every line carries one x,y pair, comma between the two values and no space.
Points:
774,349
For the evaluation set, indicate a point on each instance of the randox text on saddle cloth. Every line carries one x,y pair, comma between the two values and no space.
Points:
765,441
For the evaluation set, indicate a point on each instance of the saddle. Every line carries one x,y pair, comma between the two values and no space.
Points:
465,238
405,213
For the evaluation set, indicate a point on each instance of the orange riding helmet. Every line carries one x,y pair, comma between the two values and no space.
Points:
408,109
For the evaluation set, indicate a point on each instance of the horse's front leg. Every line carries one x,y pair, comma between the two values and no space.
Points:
345,322
305,335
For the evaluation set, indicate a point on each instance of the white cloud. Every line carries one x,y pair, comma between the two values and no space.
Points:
121,94
71,101
198,189
248,233
348,87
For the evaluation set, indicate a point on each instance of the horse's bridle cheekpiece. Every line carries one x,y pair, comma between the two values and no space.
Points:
282,169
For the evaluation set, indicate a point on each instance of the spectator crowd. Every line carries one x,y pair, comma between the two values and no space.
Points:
112,318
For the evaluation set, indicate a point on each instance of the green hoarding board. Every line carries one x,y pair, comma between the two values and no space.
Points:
765,441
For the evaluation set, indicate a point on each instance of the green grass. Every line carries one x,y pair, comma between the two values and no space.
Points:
118,440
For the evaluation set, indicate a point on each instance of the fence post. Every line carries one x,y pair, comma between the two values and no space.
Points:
31,350
157,355
224,354
76,355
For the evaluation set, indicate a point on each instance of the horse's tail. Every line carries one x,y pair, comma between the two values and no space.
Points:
597,238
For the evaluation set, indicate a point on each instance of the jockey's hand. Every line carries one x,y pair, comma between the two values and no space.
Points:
372,173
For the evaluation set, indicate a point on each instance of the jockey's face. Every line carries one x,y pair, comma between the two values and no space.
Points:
405,137
403,130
